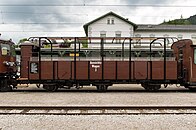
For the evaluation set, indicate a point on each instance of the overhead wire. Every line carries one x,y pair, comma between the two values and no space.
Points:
33,23
77,14
102,5
39,31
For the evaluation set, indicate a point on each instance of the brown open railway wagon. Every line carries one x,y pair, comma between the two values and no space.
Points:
7,65
65,62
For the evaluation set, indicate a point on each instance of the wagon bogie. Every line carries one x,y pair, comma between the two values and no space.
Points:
4,85
151,87
193,89
50,87
102,88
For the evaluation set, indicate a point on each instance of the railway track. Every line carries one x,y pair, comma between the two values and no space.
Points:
95,110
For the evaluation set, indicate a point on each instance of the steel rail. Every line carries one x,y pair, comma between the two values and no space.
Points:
96,110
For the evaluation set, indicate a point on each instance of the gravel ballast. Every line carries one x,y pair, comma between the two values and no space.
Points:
136,122
109,122
85,98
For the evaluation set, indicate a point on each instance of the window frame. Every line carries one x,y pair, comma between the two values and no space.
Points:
103,34
112,20
180,36
108,20
8,48
193,36
34,68
194,55
118,34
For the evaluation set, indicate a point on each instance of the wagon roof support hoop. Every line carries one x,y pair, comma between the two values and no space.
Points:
75,39
130,68
102,57
164,62
165,59
39,59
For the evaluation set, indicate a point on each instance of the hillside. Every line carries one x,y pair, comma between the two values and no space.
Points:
189,21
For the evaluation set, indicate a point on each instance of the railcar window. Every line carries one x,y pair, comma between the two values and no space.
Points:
34,68
195,55
5,49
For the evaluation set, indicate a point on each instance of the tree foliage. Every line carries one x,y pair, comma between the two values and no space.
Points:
192,19
189,21
22,40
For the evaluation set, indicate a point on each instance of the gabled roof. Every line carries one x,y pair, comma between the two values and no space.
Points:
110,13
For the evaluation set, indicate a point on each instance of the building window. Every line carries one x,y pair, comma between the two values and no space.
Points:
118,35
165,35
103,34
112,21
193,36
180,36
152,35
108,21
138,35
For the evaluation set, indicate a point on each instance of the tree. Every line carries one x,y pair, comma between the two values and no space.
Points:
21,41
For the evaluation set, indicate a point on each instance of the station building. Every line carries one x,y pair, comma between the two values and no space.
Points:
114,25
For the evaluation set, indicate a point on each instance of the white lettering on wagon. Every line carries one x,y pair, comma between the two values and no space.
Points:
95,62
95,65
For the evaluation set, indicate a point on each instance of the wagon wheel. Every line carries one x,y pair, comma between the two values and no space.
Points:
50,87
102,88
4,86
150,87
192,89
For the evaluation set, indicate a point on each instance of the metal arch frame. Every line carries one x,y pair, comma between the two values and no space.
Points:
102,55
164,61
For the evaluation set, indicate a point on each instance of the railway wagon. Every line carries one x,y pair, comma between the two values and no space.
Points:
64,62
7,65
102,62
